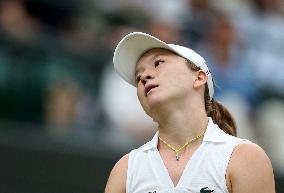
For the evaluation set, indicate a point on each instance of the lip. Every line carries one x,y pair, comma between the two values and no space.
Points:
149,87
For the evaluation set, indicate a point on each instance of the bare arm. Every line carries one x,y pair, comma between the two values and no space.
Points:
117,179
250,170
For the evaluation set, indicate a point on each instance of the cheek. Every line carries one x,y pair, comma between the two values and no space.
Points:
180,78
143,102
140,95
139,91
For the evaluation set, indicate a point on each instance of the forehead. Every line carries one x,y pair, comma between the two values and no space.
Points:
155,52
152,54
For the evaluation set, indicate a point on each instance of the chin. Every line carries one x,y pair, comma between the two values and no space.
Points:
154,102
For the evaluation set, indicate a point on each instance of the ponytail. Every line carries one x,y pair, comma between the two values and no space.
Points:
220,114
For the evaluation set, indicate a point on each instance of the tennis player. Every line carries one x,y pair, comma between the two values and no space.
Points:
195,149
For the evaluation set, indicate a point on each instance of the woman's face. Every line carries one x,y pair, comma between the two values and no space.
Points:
162,78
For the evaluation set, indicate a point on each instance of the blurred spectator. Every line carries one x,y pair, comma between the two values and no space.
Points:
165,31
53,15
262,34
68,107
197,22
80,38
223,53
61,104
16,21
172,11
36,55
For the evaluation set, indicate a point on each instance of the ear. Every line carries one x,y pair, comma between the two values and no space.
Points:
200,79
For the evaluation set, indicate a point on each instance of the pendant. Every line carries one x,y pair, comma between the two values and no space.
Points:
177,157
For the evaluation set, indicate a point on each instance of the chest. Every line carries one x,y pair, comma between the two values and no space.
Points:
159,171
175,168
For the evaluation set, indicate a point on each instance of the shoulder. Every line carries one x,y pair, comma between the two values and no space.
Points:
250,170
117,179
249,154
121,165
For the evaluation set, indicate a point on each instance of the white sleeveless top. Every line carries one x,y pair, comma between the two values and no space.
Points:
206,168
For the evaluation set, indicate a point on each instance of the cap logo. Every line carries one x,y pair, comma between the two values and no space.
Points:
207,72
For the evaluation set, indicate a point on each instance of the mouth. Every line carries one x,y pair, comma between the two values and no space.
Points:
149,87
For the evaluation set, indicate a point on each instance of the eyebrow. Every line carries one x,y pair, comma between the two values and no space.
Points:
152,58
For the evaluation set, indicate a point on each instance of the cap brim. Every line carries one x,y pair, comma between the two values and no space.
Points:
130,49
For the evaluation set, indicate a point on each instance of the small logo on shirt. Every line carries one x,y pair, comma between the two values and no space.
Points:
152,192
206,190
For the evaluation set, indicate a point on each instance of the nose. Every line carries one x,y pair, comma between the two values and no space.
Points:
145,77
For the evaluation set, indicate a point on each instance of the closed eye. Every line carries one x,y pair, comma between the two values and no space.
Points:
157,62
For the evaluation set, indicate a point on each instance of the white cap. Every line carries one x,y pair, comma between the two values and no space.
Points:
134,45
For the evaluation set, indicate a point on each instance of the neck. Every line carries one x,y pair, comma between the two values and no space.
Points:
179,125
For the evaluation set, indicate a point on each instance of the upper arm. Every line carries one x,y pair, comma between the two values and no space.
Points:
117,179
250,170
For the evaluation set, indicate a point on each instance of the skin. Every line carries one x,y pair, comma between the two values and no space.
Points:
177,105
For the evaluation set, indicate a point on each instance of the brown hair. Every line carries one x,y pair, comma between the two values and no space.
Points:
214,109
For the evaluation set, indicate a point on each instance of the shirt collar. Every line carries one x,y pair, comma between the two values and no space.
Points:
153,143
213,134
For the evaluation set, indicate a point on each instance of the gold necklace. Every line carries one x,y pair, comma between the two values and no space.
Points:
184,145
